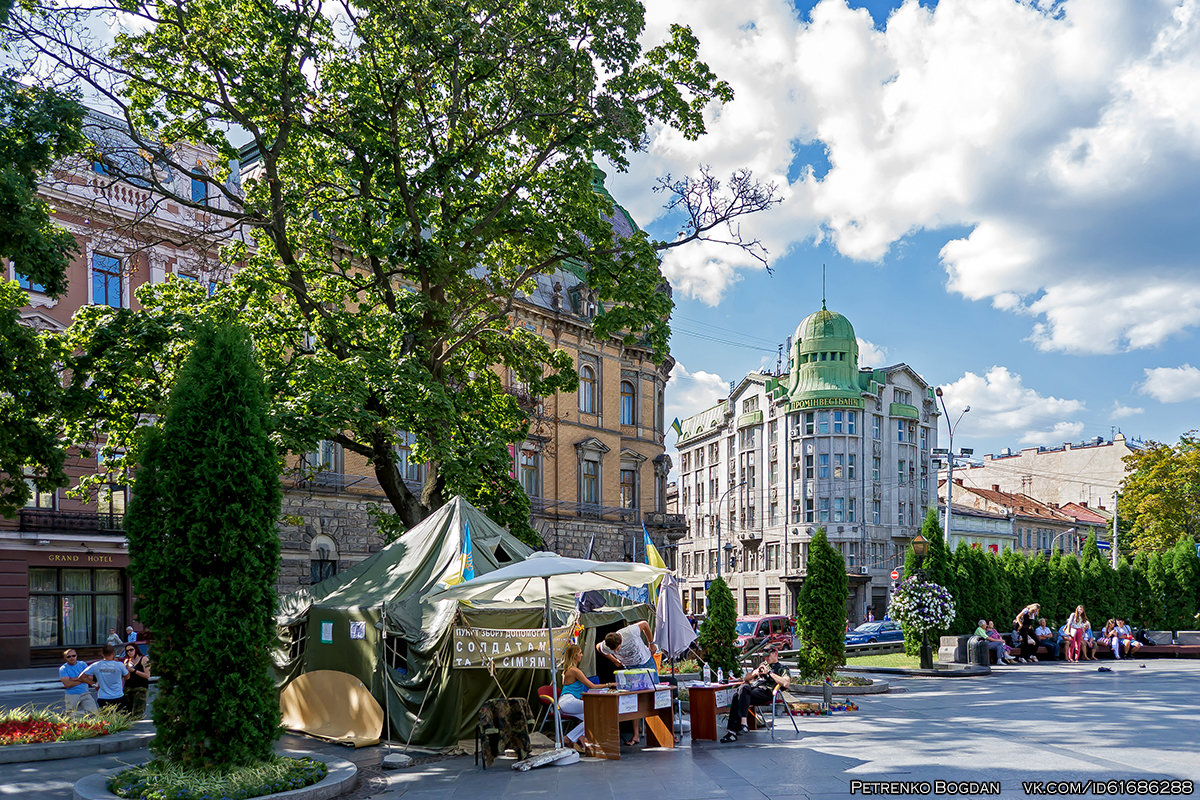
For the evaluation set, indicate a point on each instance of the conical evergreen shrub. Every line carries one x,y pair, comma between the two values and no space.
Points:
204,555
719,629
821,609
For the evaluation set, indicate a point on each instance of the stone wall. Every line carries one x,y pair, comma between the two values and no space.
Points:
613,541
342,516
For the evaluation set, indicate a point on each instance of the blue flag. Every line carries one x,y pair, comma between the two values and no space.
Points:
468,557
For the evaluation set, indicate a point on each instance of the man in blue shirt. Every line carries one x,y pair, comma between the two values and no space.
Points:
76,697
110,678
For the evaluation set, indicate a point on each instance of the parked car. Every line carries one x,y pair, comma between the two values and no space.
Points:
872,632
753,630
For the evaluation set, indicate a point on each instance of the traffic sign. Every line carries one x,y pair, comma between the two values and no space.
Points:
895,575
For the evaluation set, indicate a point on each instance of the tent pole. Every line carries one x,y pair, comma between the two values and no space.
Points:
387,703
553,672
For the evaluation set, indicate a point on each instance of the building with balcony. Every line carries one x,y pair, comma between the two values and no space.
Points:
828,444
594,463
62,560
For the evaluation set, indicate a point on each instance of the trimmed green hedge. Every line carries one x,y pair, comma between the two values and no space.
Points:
1160,591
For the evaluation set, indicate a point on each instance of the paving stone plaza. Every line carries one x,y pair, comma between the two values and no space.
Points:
1019,732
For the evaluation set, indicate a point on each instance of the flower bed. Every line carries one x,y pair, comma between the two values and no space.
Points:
161,780
29,726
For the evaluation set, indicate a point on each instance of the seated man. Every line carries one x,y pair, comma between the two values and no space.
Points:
757,686
995,645
1046,638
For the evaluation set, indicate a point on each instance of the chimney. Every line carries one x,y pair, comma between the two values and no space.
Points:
1083,503
995,487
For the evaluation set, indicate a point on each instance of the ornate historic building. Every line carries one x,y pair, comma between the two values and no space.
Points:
594,463
828,444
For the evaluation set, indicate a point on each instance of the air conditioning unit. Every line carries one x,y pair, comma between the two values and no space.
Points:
796,433
862,570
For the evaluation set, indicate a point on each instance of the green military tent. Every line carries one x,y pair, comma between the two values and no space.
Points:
432,699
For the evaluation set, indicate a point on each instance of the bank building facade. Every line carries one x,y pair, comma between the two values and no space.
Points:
828,443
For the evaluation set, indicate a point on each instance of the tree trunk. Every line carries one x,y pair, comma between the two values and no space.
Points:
406,504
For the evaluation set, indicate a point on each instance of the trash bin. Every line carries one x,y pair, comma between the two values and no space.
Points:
977,651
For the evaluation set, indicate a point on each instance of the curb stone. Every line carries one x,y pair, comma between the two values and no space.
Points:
341,778
135,738
875,687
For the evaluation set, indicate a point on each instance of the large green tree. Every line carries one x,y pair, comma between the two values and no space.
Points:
417,167
1160,496
39,126
821,609
204,555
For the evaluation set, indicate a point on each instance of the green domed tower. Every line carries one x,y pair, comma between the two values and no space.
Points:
824,362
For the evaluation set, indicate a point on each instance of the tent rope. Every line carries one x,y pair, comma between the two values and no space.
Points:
437,660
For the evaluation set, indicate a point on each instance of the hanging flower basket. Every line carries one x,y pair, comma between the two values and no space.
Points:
922,606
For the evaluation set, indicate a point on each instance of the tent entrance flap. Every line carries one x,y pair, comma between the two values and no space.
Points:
334,706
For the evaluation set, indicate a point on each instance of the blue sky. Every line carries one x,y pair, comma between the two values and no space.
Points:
1006,196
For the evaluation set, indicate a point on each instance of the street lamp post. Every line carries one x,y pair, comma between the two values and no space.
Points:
722,500
1058,536
949,460
920,546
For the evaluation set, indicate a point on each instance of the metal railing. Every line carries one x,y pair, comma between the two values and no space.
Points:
542,506
47,520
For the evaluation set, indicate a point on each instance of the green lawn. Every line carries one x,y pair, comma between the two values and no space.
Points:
888,660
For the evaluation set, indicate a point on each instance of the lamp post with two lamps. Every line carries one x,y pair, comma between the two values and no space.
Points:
950,460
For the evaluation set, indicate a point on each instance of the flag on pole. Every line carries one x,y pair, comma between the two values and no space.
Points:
675,426
466,559
654,560
468,554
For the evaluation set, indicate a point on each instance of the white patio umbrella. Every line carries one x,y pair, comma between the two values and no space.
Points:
672,631
548,574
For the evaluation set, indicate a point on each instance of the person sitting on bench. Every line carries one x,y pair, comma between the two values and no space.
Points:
757,688
1046,638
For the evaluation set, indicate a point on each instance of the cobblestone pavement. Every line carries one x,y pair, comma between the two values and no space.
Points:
1012,733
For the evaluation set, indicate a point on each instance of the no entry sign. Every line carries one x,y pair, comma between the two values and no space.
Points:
895,575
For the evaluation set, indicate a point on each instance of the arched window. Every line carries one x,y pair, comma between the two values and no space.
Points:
323,555
628,404
587,389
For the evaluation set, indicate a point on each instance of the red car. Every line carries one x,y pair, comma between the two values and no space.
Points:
752,630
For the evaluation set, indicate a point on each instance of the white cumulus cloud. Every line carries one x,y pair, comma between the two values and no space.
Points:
1002,406
690,393
1065,137
1172,384
871,354
1121,412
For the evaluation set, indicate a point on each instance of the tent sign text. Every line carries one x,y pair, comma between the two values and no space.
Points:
507,648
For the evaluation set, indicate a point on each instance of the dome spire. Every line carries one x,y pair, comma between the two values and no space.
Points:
823,288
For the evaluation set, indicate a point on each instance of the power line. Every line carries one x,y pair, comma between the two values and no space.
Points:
740,333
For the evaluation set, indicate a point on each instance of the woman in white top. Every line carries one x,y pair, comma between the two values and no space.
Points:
1077,625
